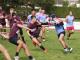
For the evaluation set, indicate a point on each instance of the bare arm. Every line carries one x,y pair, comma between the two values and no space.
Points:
22,26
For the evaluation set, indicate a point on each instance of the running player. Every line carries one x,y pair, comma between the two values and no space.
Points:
34,31
70,26
42,18
13,37
4,52
58,23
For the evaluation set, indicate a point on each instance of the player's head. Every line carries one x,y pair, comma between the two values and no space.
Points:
11,10
70,13
43,11
14,15
33,12
40,10
33,19
0,8
53,16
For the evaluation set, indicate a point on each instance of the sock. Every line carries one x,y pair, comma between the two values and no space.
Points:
42,47
17,54
69,34
65,49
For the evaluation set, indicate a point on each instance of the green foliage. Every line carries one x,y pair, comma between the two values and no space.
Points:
47,5
65,3
63,11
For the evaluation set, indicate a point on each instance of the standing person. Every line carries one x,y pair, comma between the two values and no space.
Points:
34,31
4,52
69,24
42,18
13,37
58,23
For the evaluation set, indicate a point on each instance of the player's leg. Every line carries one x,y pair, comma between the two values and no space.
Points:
5,53
38,43
62,41
27,52
42,33
64,44
68,34
70,31
20,44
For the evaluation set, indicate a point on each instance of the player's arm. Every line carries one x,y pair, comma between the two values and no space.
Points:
22,26
29,34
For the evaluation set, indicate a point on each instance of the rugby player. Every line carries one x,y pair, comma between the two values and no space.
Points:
58,23
70,25
13,36
34,31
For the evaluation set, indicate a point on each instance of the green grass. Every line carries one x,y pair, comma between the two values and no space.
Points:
55,50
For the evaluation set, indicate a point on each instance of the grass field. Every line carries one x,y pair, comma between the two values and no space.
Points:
55,50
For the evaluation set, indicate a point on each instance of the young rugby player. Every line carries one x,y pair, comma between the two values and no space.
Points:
58,23
70,26
4,52
15,25
34,31
42,18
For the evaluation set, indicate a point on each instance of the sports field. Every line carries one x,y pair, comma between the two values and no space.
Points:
55,50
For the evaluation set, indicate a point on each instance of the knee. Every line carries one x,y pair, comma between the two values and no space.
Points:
60,39
20,43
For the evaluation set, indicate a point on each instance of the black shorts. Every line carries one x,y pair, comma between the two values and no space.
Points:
44,23
61,33
14,39
34,35
3,22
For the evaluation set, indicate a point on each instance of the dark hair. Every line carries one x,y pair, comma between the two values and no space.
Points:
33,10
13,14
33,17
53,15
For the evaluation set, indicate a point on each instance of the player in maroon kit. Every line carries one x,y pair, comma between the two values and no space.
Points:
13,36
34,31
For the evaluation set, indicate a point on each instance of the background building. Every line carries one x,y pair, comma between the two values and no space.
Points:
70,2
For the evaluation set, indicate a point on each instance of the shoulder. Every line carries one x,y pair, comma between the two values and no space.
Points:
67,16
29,15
